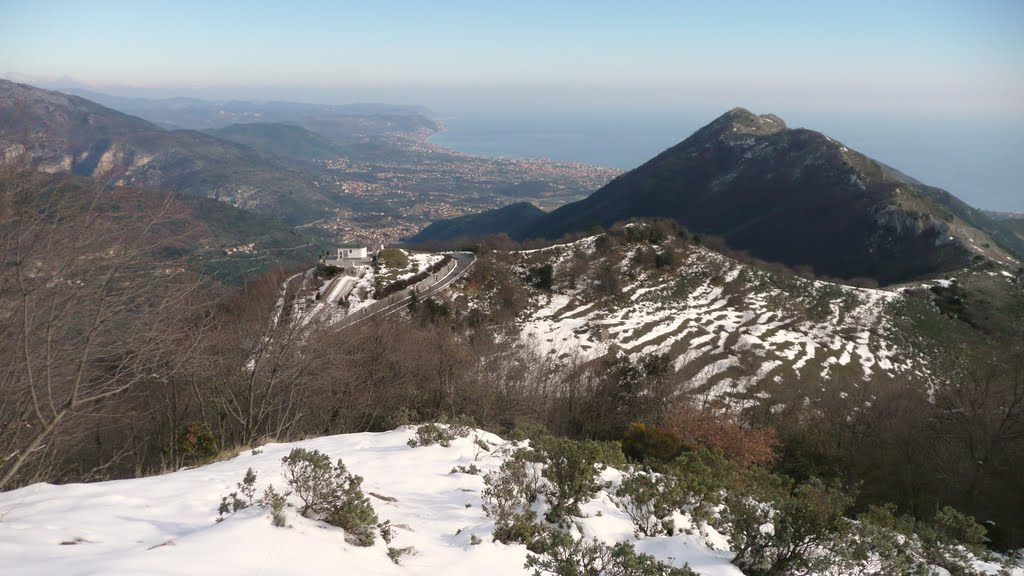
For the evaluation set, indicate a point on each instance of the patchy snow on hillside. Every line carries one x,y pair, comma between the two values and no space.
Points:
361,295
417,262
344,295
167,524
335,296
713,316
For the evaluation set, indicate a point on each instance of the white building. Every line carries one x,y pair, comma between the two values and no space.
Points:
347,257
351,252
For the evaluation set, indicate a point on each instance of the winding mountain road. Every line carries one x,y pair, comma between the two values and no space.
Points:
463,261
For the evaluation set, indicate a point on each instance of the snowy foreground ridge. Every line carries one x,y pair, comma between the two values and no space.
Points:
167,524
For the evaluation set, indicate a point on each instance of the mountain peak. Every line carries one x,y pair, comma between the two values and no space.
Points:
743,121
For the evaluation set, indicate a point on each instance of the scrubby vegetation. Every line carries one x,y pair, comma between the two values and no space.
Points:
564,555
443,434
510,492
775,525
179,374
330,493
245,497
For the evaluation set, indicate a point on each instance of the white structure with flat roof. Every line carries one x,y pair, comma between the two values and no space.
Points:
351,252
347,257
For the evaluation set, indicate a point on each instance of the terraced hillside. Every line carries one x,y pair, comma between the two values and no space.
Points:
734,330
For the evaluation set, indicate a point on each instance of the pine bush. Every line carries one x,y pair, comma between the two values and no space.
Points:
330,493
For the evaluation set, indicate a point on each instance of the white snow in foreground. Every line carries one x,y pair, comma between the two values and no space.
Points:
166,524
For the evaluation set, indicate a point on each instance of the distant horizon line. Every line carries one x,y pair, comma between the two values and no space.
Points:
624,160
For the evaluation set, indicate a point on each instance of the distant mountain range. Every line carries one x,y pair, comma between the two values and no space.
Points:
794,196
365,170
284,140
345,122
55,133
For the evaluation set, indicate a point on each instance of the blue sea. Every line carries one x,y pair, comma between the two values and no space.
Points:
977,160
617,141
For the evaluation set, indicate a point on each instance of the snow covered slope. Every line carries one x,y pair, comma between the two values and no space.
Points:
167,524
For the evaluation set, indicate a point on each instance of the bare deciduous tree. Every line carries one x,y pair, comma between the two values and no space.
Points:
87,312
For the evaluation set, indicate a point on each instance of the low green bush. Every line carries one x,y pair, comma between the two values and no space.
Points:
276,503
472,469
808,526
642,443
509,492
330,493
233,502
559,554
196,443
572,470
649,501
245,497
442,434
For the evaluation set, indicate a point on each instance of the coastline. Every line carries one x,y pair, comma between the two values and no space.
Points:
463,151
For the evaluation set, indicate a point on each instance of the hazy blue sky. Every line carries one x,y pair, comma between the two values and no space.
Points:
863,61
930,55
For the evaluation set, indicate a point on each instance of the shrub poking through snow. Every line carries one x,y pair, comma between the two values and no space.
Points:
951,525
572,469
248,485
396,553
883,543
354,513
330,493
275,502
472,469
807,527
699,479
778,528
950,540
649,501
560,554
271,500
229,505
692,483
314,479
609,454
232,502
507,498
442,434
